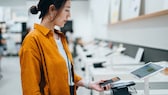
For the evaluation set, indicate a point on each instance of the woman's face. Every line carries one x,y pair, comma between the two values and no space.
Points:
63,15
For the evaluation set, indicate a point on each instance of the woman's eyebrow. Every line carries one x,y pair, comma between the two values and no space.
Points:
67,6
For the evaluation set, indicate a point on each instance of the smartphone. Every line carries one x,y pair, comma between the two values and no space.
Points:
103,84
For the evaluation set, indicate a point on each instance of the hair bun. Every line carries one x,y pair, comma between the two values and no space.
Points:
34,10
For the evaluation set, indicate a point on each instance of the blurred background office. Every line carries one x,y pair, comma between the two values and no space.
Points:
135,28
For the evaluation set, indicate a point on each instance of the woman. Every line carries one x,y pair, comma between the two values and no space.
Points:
46,62
2,43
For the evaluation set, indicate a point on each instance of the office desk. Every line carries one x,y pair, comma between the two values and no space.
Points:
117,65
113,59
156,82
109,61
122,59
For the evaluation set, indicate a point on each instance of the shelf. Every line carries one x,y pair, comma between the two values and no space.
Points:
152,15
158,19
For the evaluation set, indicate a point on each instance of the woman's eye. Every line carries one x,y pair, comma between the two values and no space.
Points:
67,10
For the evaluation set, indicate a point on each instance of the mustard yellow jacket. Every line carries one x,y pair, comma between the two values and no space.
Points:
43,69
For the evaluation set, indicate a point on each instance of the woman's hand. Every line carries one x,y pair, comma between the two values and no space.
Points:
96,86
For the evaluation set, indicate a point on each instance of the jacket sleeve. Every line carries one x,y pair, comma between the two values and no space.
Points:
30,71
76,78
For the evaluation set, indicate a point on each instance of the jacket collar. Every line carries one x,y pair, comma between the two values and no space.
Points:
45,30
42,29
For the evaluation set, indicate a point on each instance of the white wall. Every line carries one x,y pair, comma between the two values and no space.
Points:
153,35
79,15
32,18
99,15
12,3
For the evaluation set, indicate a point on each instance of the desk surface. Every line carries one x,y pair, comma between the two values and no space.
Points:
123,72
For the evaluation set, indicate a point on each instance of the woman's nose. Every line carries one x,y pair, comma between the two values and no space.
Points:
69,16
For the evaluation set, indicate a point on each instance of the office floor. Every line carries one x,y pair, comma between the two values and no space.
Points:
10,84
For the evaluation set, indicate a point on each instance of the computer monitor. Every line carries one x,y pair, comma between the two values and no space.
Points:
147,70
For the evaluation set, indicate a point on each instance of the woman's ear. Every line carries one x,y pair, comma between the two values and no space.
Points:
52,12
52,8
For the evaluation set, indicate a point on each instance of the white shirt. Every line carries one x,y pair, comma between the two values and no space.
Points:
68,63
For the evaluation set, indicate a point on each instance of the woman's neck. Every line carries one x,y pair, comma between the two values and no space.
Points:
45,22
48,24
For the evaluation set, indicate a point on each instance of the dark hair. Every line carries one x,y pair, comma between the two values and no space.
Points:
43,6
